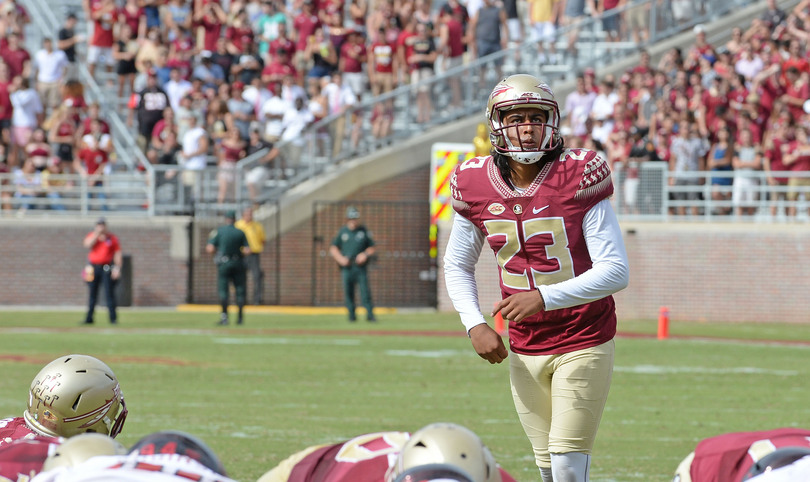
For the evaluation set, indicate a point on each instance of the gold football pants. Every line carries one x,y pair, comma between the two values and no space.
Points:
560,398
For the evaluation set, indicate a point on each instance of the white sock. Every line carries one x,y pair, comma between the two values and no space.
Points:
545,474
570,467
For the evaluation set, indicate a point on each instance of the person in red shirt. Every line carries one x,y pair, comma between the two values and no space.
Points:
239,34
796,156
211,17
282,42
6,109
99,50
389,456
732,456
381,59
104,268
304,26
353,57
16,57
278,67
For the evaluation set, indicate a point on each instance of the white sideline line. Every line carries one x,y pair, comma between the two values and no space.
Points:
661,369
427,353
285,341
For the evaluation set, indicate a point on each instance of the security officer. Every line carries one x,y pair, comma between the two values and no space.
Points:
352,248
230,246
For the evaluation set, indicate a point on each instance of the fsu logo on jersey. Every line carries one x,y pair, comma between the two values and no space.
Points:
517,209
496,208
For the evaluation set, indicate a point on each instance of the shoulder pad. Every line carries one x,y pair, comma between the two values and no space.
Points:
595,176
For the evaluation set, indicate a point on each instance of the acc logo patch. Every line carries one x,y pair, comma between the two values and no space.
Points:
496,208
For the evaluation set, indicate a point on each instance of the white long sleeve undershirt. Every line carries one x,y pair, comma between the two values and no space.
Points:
608,274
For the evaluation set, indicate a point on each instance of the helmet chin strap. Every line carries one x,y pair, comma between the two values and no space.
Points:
521,156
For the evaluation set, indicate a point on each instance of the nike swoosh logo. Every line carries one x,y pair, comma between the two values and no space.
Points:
537,211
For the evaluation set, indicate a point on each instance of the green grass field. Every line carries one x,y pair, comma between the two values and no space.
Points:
260,392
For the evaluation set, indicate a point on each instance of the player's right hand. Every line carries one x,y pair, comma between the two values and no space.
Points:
488,343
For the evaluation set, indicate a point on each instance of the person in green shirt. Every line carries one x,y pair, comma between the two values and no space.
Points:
352,248
229,245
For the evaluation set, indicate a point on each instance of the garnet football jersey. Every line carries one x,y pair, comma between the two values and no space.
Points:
12,429
365,458
23,458
727,457
538,239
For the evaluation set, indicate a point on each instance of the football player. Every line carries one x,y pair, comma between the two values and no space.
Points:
439,451
71,395
167,456
544,209
737,456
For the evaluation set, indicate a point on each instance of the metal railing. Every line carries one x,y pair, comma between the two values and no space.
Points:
651,193
123,192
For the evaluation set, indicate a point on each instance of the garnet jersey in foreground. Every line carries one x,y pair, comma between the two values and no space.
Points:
23,458
727,457
15,428
538,239
365,458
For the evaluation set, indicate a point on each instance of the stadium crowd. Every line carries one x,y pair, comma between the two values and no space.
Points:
209,79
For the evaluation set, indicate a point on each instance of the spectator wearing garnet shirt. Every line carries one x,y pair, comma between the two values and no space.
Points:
304,26
91,161
282,42
211,17
381,63
279,66
5,107
353,57
16,57
99,51
239,33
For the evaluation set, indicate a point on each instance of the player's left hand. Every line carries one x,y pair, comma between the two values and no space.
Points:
518,306
361,259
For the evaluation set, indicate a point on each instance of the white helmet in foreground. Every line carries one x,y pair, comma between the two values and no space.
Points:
446,446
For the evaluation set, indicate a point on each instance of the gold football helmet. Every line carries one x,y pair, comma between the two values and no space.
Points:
448,445
516,92
75,394
76,450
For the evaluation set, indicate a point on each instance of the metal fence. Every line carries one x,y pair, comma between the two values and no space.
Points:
651,193
71,194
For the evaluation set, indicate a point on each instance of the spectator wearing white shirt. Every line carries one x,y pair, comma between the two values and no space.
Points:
176,88
602,110
295,121
27,115
339,98
51,66
194,156
749,64
271,114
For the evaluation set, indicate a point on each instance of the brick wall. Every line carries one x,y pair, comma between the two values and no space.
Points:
701,272
42,260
